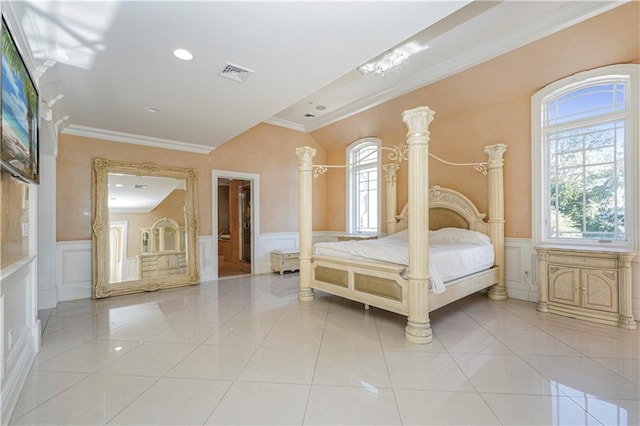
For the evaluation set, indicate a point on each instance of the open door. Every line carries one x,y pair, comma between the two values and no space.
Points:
245,215
234,226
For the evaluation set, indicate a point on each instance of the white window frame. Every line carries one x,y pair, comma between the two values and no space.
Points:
540,174
351,199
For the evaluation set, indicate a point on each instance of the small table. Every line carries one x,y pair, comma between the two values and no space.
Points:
285,260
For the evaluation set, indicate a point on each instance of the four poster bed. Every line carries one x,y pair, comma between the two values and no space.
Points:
403,287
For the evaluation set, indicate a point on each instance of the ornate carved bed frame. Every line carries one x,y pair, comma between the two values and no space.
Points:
382,285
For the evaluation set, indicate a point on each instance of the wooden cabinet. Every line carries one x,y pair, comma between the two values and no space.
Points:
586,284
285,260
161,265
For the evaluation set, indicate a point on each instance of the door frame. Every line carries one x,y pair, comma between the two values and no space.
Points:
124,233
255,213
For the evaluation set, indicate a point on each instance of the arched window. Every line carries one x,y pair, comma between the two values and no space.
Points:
585,159
363,186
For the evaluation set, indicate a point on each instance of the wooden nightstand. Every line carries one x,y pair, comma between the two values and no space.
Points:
285,260
593,285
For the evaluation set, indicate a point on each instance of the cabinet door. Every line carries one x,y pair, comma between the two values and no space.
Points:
600,289
564,284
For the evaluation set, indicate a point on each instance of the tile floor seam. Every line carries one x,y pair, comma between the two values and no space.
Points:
476,391
57,394
315,366
133,400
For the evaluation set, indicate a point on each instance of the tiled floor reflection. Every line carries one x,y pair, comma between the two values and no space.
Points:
245,351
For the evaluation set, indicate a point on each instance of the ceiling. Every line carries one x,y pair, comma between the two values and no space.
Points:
139,194
101,64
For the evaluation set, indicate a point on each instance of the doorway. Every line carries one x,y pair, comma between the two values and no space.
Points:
234,207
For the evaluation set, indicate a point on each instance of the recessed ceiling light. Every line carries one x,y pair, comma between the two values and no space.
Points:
183,54
152,109
321,107
309,116
119,185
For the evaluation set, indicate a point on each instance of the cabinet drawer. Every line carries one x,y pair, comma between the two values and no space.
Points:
584,261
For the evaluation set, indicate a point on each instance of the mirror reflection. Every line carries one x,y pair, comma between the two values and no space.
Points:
145,228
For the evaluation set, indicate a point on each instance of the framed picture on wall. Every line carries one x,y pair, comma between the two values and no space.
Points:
20,119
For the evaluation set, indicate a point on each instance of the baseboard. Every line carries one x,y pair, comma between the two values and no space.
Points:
75,292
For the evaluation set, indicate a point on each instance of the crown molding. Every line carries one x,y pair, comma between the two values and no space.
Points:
109,135
570,14
287,124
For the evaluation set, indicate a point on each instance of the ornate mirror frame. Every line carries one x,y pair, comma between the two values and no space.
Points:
100,228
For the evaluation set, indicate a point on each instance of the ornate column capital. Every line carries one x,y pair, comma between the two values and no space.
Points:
418,120
391,171
495,153
305,154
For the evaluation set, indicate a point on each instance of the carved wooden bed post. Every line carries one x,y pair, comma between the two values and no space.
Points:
305,166
418,329
391,180
496,214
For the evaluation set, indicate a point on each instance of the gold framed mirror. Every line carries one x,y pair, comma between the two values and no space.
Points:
145,227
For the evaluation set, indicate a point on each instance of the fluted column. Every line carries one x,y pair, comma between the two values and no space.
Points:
305,167
624,287
391,181
418,329
496,214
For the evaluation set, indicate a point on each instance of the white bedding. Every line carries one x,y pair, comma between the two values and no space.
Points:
453,253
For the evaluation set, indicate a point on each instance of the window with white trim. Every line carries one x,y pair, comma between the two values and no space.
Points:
363,186
585,162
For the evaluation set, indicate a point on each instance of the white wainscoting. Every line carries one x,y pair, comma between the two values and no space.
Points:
73,270
520,266
73,267
20,329
205,257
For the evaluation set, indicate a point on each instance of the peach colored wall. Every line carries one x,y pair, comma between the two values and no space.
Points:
14,211
484,105
270,152
73,191
264,149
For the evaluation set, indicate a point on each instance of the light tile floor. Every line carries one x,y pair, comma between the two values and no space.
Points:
245,351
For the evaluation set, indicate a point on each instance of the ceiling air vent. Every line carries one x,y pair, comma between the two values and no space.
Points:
235,72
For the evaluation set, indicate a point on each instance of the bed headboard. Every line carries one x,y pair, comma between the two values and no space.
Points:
448,208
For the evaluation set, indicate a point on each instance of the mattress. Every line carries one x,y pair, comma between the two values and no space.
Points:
453,253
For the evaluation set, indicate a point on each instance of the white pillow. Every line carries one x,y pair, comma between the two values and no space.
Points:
457,236
402,235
